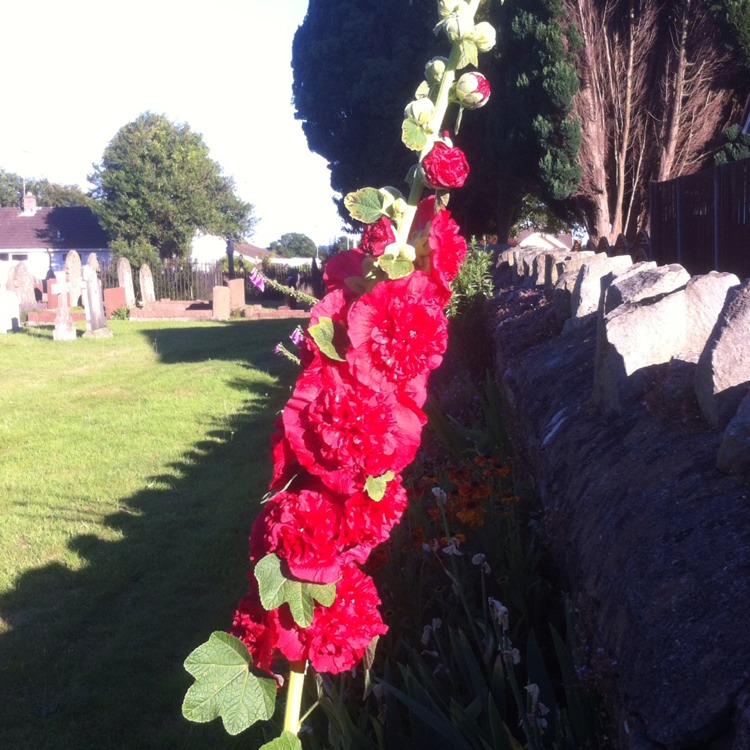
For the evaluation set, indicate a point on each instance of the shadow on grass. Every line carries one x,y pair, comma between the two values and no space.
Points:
92,658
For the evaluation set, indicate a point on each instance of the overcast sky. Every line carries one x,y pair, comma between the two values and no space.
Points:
76,71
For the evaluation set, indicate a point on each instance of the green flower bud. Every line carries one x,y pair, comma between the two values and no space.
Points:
484,36
434,70
420,110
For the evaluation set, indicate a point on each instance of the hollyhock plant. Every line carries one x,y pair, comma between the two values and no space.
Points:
353,422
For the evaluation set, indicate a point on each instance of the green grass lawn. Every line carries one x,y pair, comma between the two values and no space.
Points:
131,469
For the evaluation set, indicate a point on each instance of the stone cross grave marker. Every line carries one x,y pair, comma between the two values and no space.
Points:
73,274
125,280
10,311
96,322
147,285
64,328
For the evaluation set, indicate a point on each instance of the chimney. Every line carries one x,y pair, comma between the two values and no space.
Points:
29,204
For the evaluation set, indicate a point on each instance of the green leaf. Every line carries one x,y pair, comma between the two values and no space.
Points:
366,205
468,54
275,590
287,741
396,266
224,685
375,486
412,135
323,333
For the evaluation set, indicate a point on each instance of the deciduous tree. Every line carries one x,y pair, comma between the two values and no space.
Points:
156,186
294,245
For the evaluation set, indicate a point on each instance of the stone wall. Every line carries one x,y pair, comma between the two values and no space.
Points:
626,391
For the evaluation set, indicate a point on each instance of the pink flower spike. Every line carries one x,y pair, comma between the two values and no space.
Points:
257,279
297,337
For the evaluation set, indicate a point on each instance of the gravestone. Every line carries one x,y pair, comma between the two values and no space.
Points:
10,311
64,328
73,275
125,280
236,293
93,262
221,308
148,296
21,281
96,323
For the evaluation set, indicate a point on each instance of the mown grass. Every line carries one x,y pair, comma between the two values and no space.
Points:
130,472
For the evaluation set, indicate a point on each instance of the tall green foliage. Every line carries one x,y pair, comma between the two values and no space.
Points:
526,143
48,194
156,186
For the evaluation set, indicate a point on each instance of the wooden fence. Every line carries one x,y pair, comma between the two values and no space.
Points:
703,220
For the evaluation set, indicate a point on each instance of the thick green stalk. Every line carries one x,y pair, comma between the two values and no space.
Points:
294,697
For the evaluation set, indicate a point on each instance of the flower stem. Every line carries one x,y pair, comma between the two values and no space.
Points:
294,696
441,106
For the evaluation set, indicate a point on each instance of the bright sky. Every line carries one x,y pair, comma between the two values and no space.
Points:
76,71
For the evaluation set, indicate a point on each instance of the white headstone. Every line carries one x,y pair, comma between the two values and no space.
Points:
73,273
147,285
10,311
125,280
64,328
93,300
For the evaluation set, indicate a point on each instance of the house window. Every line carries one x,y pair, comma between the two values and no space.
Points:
4,256
64,256
20,256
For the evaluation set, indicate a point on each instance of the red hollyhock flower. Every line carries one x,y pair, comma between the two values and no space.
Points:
343,266
377,236
302,529
267,635
285,464
367,523
445,167
342,431
339,635
447,250
398,334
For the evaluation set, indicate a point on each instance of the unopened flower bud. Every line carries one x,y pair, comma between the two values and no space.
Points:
472,90
446,7
484,36
420,110
434,70
459,25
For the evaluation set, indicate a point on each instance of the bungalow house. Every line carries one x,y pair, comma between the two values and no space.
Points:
43,237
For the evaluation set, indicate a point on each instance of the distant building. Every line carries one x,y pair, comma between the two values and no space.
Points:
43,237
533,238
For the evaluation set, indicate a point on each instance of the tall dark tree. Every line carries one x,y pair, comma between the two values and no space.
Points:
156,186
352,107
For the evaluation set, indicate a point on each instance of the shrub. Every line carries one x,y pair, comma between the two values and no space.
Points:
121,313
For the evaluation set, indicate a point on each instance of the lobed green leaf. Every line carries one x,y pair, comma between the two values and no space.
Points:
276,589
322,333
375,486
287,741
225,687
412,135
365,205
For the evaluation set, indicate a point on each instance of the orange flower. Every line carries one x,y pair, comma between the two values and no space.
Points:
472,514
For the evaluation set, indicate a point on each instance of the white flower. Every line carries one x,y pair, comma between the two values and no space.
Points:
440,497
499,613
484,36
